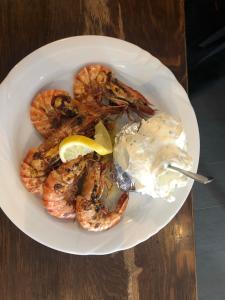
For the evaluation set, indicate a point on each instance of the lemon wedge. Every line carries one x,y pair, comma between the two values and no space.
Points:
102,137
73,146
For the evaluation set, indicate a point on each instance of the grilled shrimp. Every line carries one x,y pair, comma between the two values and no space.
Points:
40,161
62,187
49,109
35,168
93,106
91,212
78,125
45,157
91,80
97,80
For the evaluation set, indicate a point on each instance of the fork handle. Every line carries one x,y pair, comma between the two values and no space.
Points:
196,177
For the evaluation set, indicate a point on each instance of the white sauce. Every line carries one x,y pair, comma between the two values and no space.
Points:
144,151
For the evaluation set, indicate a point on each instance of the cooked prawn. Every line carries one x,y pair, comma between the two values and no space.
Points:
97,80
91,212
34,170
78,125
134,101
62,187
94,106
91,80
49,109
40,161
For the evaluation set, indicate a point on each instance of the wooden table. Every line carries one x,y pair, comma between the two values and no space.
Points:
162,267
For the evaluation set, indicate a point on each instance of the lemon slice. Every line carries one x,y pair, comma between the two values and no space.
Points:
73,146
102,137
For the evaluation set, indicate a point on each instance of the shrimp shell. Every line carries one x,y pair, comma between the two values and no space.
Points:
98,82
91,80
91,213
61,188
47,114
31,177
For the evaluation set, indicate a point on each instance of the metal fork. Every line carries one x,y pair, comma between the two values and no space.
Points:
125,183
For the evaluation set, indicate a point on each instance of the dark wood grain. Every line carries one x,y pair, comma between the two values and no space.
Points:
162,267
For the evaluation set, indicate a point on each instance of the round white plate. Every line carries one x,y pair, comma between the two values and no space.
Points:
53,66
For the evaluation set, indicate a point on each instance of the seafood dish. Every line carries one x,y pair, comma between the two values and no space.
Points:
75,167
76,189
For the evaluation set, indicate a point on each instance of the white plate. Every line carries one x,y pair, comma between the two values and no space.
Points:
53,66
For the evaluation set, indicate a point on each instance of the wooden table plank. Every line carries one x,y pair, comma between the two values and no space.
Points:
162,267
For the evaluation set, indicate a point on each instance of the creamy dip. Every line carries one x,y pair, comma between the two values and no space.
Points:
145,149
